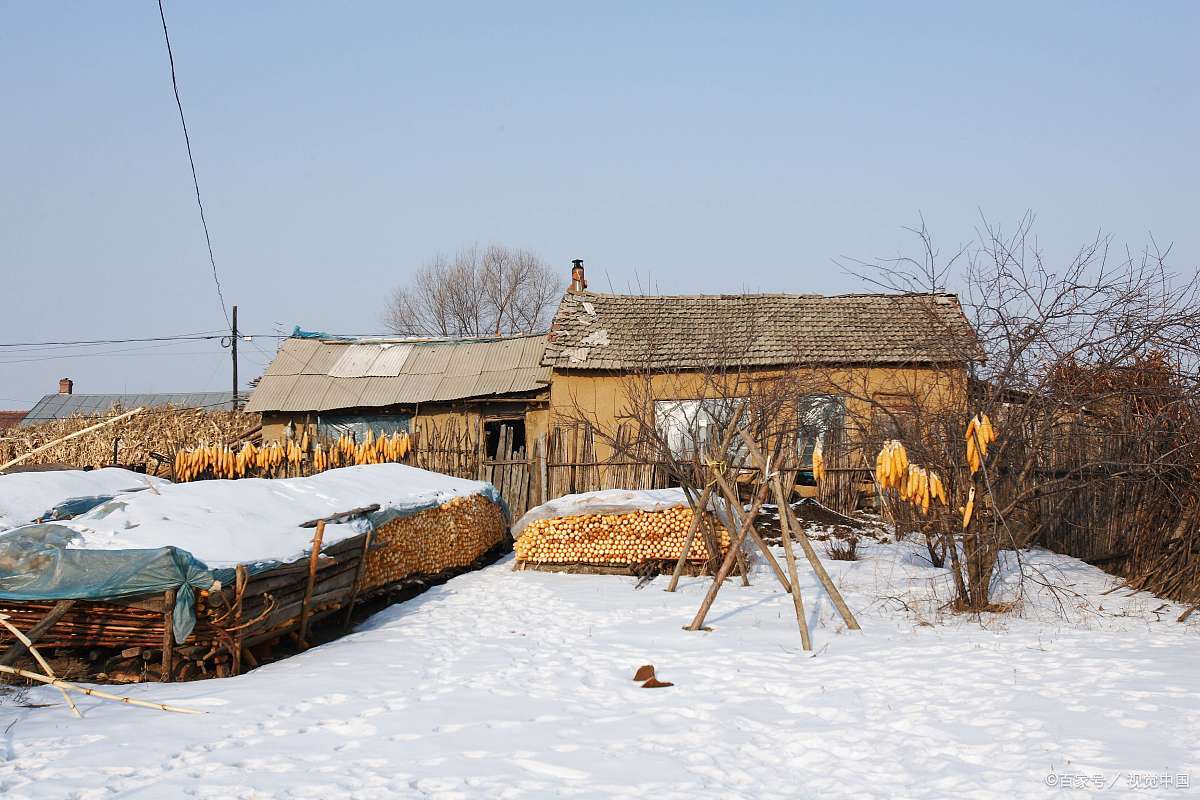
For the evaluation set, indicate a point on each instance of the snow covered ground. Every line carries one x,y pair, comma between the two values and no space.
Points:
503,684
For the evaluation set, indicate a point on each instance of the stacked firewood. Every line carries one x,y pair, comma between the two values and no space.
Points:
615,538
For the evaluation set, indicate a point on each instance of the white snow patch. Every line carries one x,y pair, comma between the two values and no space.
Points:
605,501
229,522
26,496
518,684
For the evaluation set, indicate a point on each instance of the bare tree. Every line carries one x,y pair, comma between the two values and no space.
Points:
490,292
1087,370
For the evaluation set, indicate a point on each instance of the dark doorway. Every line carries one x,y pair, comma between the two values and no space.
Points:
494,432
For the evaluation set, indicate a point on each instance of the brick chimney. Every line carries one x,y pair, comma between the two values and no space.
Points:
65,385
578,282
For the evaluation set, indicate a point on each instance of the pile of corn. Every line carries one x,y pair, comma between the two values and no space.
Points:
614,538
452,535
287,459
979,435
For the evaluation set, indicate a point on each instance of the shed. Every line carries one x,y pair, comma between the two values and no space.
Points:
330,386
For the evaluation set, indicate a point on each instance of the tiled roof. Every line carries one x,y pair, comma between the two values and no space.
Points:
61,406
322,375
622,332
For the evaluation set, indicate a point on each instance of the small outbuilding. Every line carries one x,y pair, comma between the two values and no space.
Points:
492,391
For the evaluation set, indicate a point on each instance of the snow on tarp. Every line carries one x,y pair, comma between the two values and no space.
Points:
609,501
224,523
179,534
29,496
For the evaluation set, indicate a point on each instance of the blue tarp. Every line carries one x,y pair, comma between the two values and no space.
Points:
36,564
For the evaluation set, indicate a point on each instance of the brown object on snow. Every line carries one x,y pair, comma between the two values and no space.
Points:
655,683
644,673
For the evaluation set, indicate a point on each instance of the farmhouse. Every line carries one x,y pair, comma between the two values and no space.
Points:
494,389
844,357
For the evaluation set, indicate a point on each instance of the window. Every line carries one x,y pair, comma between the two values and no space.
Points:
684,424
817,415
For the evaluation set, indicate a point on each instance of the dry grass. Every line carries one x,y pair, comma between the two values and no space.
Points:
843,549
163,430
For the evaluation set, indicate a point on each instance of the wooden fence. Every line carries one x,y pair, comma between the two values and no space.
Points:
563,461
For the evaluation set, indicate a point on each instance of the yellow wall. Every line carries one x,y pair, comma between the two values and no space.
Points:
604,398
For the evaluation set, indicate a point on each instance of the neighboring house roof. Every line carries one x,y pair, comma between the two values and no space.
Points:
322,375
624,332
62,406
9,419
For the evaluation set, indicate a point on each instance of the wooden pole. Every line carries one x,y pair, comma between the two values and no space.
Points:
36,632
33,651
758,540
168,640
727,564
826,581
241,578
691,534
312,582
74,687
358,571
68,437
785,530
813,559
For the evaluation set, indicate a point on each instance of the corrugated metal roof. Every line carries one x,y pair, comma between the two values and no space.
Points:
62,406
322,375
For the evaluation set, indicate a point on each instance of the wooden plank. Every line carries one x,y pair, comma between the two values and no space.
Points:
341,516
36,632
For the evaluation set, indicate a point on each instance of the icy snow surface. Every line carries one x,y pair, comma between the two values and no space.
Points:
229,522
504,684
26,496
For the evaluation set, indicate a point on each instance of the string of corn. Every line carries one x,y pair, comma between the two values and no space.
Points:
220,461
912,483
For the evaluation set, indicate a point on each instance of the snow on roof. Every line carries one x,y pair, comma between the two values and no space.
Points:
228,522
26,496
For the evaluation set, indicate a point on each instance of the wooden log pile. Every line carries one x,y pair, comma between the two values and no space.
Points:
452,535
616,539
267,614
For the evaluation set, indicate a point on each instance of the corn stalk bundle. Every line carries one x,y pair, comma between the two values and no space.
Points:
451,536
161,430
614,538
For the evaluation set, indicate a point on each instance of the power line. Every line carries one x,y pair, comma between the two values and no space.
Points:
192,162
179,338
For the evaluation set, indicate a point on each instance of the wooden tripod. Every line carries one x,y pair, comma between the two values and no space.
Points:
767,483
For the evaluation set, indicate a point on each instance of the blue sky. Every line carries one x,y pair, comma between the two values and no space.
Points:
682,146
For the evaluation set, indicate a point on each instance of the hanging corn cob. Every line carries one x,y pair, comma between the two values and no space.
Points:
979,435
969,508
912,483
818,462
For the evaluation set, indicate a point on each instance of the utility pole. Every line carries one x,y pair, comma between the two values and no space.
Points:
233,348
